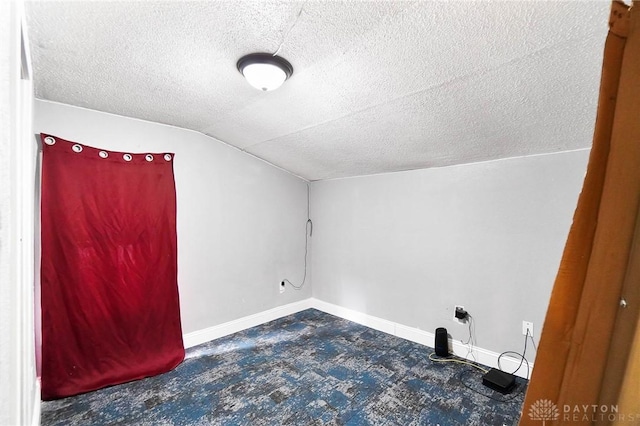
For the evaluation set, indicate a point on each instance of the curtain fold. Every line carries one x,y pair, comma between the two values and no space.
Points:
573,350
110,308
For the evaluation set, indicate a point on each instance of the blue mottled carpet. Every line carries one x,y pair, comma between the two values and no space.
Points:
309,368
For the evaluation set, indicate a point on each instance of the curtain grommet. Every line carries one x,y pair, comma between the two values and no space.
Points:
77,148
103,154
127,157
148,157
49,140
167,157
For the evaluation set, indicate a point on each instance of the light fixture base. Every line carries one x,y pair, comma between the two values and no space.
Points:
264,71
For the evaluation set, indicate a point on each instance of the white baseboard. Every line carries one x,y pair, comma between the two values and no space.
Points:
355,316
482,356
201,336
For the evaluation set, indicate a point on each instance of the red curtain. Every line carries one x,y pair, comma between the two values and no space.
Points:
110,309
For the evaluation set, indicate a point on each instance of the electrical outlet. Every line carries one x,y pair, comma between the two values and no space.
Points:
282,286
527,326
458,320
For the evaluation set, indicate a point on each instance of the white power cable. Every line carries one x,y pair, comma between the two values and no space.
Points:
308,231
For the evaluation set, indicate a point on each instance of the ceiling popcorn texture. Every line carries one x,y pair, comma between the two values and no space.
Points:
377,87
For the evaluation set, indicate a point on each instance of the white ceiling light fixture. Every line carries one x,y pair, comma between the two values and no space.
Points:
264,71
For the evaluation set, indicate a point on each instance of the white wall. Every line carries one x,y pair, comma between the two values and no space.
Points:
19,395
8,412
408,246
240,221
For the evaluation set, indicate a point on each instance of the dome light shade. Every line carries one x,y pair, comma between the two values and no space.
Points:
264,71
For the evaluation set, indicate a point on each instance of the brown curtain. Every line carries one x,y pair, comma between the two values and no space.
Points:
585,345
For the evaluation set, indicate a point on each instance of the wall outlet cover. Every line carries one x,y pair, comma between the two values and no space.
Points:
458,320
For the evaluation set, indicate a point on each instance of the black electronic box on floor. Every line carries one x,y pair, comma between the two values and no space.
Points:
499,381
442,342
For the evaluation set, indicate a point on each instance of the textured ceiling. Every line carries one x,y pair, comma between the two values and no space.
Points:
378,86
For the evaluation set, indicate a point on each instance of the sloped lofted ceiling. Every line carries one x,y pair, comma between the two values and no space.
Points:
378,86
